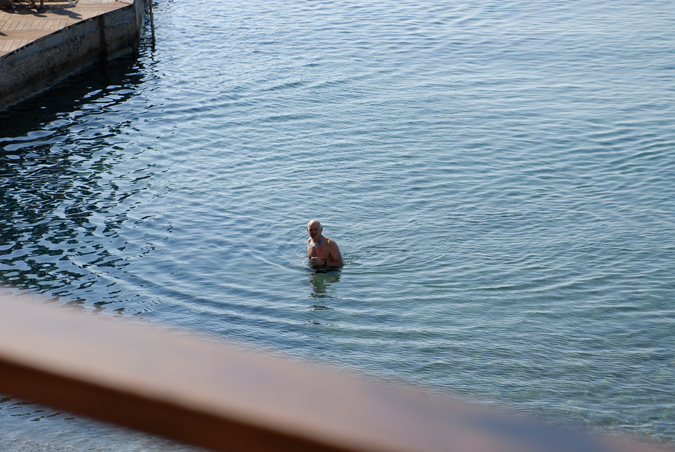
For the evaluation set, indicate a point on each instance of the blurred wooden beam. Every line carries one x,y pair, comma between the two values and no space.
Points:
229,398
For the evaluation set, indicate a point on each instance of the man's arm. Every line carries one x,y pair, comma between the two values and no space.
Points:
334,255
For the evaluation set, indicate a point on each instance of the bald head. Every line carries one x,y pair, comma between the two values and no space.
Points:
314,229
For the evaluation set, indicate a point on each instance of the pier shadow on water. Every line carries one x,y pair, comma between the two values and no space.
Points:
52,187
121,76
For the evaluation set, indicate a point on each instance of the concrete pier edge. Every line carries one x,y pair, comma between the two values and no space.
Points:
41,64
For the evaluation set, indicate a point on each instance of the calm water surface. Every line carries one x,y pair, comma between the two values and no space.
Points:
500,177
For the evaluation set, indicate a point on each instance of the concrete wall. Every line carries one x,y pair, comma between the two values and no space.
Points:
41,64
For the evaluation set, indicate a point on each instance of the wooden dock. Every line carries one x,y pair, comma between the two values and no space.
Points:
23,25
41,46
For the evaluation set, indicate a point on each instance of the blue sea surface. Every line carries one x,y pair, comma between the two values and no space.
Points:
499,176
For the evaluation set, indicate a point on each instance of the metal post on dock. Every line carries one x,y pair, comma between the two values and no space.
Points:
152,24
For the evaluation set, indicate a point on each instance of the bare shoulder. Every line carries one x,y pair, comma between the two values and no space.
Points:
331,243
334,251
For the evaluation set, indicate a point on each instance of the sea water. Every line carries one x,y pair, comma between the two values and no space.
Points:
499,176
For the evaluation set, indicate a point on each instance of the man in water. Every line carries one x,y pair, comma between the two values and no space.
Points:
322,251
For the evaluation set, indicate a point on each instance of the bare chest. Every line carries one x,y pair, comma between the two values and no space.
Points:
320,251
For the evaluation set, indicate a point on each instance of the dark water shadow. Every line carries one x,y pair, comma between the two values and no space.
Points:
71,94
53,178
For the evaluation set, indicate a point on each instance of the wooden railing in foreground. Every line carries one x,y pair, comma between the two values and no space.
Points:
231,399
